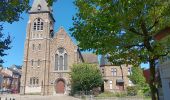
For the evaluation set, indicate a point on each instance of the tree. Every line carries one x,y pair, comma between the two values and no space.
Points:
124,29
85,77
10,11
138,79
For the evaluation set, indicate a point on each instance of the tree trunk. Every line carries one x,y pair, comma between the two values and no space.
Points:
152,80
121,71
122,75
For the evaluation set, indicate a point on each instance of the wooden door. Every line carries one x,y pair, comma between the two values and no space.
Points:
60,86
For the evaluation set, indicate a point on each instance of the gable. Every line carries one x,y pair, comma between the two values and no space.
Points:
62,37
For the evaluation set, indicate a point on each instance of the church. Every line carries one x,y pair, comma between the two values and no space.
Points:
48,56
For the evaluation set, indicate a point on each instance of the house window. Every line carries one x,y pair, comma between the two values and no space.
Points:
61,59
114,71
110,85
130,83
38,24
129,71
103,71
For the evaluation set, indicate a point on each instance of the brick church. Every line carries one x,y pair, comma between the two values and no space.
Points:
48,56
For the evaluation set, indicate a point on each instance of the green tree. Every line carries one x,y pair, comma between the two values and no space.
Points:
124,29
10,11
85,77
138,79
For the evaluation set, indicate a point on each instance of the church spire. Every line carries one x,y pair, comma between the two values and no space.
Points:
40,6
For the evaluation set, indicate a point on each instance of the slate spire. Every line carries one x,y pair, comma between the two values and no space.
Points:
40,6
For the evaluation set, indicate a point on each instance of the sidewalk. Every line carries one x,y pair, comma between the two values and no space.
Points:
36,97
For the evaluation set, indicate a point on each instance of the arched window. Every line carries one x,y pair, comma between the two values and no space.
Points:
34,79
38,63
65,61
38,24
33,47
61,63
56,62
61,60
37,81
31,81
39,46
32,62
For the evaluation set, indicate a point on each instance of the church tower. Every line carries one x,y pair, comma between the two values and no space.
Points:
35,72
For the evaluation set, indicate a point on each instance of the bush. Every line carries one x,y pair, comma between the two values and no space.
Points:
132,90
85,77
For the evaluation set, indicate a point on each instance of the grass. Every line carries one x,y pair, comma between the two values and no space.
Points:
121,94
110,94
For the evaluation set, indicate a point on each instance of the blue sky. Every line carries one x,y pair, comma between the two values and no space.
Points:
63,11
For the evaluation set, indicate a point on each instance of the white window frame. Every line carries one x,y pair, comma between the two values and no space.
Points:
110,84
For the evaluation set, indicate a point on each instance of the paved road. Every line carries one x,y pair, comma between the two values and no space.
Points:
36,97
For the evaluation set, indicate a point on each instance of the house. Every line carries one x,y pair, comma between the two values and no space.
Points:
10,79
16,78
6,79
115,77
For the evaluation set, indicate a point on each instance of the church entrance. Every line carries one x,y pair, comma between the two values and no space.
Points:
60,86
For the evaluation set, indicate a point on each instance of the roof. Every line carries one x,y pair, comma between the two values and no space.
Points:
5,74
104,61
162,34
42,4
90,58
16,66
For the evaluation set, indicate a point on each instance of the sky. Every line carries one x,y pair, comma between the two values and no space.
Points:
63,11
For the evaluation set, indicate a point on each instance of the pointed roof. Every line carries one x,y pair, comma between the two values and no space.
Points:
40,6
104,61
